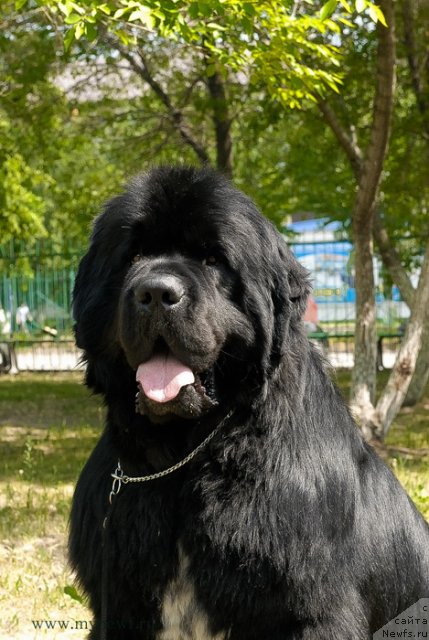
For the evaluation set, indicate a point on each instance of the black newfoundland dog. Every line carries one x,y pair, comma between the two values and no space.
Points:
274,520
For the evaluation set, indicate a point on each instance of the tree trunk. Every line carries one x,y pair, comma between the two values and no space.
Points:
364,372
409,18
394,393
222,123
421,373
402,280
419,82
363,362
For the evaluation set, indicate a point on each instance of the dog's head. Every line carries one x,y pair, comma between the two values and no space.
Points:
187,292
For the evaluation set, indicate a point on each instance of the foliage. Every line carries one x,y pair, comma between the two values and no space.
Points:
24,111
287,46
91,144
21,209
52,175
317,176
74,145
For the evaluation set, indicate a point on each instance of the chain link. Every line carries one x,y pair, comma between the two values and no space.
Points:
120,478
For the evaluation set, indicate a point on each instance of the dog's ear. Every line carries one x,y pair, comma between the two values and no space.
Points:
291,288
298,284
99,270
94,306
299,287
94,316
82,295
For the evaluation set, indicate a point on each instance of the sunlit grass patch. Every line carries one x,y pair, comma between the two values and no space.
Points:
48,426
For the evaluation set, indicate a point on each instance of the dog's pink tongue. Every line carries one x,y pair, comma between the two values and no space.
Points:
163,376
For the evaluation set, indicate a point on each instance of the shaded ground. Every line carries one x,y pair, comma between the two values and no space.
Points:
48,425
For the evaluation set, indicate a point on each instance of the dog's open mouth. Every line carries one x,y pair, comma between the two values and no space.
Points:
168,387
163,376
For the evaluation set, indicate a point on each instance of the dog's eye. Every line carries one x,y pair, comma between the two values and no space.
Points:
136,258
211,261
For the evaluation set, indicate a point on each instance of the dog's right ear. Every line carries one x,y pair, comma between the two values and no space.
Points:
93,304
86,319
82,295
94,313
94,307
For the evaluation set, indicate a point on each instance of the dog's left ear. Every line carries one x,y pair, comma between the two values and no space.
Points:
299,288
289,294
298,281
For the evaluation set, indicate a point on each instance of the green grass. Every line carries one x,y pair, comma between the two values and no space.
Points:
408,445
48,426
406,448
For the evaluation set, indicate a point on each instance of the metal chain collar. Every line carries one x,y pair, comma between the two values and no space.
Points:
120,478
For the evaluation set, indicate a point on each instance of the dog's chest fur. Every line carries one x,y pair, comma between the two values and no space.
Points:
182,616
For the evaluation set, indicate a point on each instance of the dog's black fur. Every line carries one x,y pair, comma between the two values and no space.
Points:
291,525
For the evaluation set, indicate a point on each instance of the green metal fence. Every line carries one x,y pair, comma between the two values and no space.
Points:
42,277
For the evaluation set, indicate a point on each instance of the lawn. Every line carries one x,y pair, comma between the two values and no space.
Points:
48,425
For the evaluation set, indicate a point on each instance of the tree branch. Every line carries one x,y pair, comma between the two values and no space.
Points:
408,15
382,112
392,261
395,391
222,123
176,117
347,142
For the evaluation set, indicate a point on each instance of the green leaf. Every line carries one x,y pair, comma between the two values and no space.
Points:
73,18
360,5
91,32
69,590
69,38
250,10
19,4
105,9
346,6
77,7
205,9
144,15
328,9
377,14
79,30
123,36
211,70
67,7
346,22
120,12
193,10
64,8
217,26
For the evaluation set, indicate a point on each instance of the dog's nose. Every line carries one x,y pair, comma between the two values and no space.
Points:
163,291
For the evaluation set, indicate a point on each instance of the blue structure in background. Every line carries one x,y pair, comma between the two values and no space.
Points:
319,247
322,247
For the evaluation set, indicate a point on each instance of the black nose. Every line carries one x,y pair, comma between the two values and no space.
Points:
163,291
